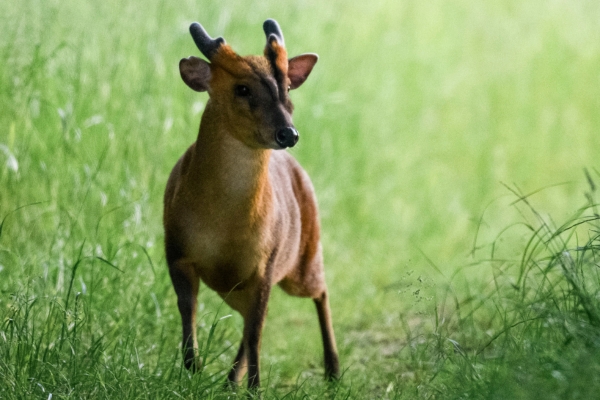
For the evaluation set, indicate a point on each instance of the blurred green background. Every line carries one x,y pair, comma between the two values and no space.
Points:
413,121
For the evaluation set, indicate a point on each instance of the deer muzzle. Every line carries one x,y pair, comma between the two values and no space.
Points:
287,137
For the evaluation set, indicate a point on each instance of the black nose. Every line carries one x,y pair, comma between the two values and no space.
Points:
287,137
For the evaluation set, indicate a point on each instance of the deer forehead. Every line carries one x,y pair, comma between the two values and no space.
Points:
248,70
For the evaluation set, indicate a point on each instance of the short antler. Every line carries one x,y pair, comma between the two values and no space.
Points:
271,28
275,50
207,45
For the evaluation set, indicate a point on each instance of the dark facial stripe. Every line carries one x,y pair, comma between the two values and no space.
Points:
271,89
277,73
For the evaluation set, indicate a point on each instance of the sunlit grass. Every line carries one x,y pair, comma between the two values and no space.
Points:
420,126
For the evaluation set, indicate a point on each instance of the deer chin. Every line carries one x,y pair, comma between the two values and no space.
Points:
267,142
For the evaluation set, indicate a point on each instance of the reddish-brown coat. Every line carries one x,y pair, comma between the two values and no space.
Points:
238,215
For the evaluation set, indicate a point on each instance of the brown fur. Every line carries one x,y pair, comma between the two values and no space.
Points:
239,216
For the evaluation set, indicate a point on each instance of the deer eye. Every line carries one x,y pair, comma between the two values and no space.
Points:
242,91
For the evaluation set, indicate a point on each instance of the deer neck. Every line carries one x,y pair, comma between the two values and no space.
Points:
229,175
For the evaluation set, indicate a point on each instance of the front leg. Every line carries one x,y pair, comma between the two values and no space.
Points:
186,283
251,303
254,320
239,367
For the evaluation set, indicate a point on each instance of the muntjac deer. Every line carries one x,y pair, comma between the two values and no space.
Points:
239,216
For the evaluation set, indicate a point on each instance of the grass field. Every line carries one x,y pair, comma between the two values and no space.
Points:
454,151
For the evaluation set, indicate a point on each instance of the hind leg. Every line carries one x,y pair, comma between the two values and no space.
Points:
309,281
332,366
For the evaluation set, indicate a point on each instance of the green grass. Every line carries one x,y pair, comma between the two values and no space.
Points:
447,142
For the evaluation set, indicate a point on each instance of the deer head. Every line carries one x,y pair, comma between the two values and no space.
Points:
249,96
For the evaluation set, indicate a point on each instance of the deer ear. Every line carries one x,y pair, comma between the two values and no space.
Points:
299,68
195,72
